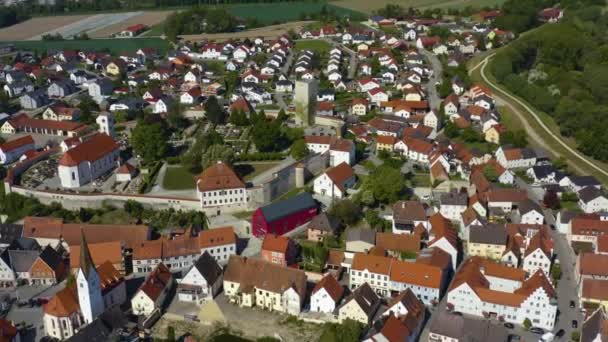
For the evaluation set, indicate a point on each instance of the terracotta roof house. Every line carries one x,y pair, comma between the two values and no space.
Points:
595,327
100,252
50,230
14,149
253,282
326,295
152,293
399,245
219,185
479,278
335,181
278,250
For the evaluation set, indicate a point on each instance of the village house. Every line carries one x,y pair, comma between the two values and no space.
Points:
251,282
499,291
279,250
202,282
152,293
408,216
219,185
361,305
322,225
326,295
340,150
335,181
14,149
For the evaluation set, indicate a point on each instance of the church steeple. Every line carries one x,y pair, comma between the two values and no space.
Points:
86,262
88,284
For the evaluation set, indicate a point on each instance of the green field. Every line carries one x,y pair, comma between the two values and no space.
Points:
178,178
285,11
156,30
321,47
112,45
247,171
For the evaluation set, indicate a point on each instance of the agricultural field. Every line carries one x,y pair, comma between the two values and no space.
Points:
267,32
369,7
37,26
112,45
284,11
151,19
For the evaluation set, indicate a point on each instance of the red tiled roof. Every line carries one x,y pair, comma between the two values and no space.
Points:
156,282
91,150
331,285
16,143
275,243
219,176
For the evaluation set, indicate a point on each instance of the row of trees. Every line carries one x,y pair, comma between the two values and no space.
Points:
199,20
562,70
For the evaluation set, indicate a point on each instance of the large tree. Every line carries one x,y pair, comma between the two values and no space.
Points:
386,183
149,141
214,112
217,153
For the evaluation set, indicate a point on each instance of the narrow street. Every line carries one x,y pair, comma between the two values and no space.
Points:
431,85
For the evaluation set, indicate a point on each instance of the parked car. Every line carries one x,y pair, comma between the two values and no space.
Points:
574,324
560,333
538,331
457,313
572,304
509,325
514,338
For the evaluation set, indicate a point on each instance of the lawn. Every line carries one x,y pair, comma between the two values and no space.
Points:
421,180
155,31
321,47
112,45
286,11
118,216
178,178
248,171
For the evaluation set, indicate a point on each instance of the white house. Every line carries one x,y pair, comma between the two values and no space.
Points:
335,181
326,295
213,193
340,150
591,200
219,242
202,282
152,293
515,158
14,149
530,212
476,290
538,254
88,161
453,204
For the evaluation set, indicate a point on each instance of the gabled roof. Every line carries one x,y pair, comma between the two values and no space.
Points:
331,286
275,243
156,282
216,237
208,268
90,150
280,209
16,143
325,223
366,298
217,177
340,174
398,242
254,273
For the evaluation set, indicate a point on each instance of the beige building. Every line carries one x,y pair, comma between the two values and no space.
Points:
253,282
487,241
360,306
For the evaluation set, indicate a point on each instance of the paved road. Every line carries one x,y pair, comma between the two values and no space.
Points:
431,86
279,97
508,99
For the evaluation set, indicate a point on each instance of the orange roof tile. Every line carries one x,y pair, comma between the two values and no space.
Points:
90,150
217,177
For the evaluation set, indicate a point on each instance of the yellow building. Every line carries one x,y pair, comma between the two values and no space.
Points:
487,242
385,143
493,134
115,68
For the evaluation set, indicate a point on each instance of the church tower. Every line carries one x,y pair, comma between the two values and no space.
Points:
89,285
105,121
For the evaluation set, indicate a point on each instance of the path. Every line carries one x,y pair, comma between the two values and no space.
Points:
159,190
529,129
267,175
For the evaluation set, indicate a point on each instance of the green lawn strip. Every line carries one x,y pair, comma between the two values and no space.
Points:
155,30
319,46
178,178
548,139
